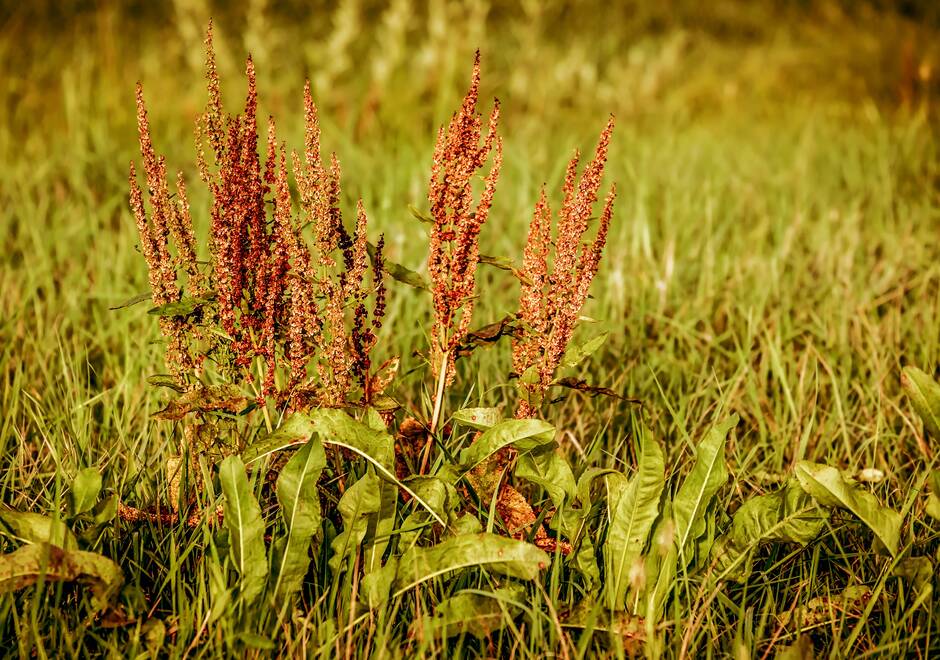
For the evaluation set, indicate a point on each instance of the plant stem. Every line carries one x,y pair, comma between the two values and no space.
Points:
436,414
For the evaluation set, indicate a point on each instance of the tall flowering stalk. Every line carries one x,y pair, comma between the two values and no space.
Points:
280,306
553,294
461,150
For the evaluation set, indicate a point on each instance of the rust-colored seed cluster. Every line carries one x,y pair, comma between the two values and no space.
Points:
267,284
454,249
552,297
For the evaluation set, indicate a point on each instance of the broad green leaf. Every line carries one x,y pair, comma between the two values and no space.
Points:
661,567
439,496
916,570
828,487
376,446
479,613
575,354
632,508
524,434
245,527
399,272
37,528
694,496
360,503
549,470
497,554
300,507
572,523
294,431
183,307
480,419
42,561
788,515
377,585
85,489
924,393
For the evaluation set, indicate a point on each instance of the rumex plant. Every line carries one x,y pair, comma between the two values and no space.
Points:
280,320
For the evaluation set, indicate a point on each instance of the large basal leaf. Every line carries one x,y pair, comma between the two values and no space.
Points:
294,431
828,487
632,509
479,613
245,528
549,470
789,515
924,393
707,476
661,567
497,554
37,528
524,434
361,502
300,508
42,561
85,489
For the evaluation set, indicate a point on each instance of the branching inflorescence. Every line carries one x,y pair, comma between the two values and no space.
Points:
552,295
454,249
276,302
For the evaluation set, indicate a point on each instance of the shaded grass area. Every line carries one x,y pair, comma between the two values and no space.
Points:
774,254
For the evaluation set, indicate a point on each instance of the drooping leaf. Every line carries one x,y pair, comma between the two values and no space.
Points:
828,487
581,385
503,263
300,508
478,418
479,613
524,434
549,470
575,354
497,554
399,272
226,398
632,508
37,528
295,430
788,515
419,215
486,336
183,307
245,526
924,393
695,495
42,561
166,380
85,489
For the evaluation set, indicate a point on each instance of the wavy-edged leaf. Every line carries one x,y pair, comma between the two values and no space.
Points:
633,508
549,470
788,515
42,561
479,419
524,434
300,507
828,487
37,528
293,431
359,503
479,613
245,528
497,554
924,393
225,398
575,354
694,496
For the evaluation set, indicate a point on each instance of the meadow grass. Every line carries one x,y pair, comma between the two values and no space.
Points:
774,254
